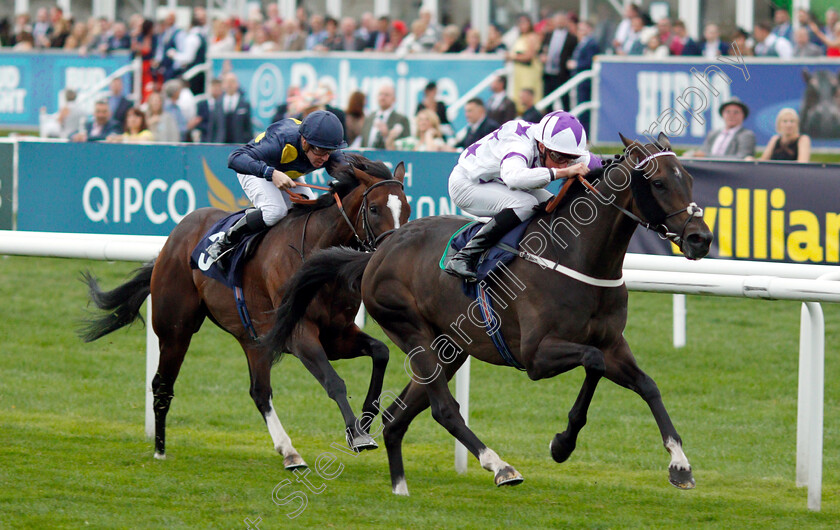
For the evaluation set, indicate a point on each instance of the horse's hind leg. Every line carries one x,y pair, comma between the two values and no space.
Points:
354,344
554,357
259,367
621,368
309,350
175,320
426,371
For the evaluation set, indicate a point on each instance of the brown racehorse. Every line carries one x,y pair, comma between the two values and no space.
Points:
552,321
183,297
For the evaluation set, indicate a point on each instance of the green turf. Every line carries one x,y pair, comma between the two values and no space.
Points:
74,453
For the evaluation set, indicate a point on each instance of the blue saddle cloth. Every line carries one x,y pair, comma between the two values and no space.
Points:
231,273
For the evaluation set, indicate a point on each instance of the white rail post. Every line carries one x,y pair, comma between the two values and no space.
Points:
462,396
152,360
802,456
679,320
815,423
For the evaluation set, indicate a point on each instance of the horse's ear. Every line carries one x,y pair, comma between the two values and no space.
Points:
663,140
399,172
627,142
363,177
806,75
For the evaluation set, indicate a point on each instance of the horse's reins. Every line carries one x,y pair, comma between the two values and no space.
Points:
692,209
371,240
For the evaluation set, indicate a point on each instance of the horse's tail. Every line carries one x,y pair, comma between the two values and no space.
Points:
338,267
121,304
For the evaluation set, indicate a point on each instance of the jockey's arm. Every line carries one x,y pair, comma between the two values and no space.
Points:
516,174
250,158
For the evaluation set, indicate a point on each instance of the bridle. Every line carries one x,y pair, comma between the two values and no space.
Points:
692,209
371,240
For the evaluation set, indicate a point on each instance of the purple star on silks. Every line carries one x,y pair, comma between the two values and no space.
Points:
496,133
472,149
521,130
567,121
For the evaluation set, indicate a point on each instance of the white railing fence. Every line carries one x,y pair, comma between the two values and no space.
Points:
808,283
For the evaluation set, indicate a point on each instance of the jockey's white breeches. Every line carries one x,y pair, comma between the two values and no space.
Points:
486,199
273,203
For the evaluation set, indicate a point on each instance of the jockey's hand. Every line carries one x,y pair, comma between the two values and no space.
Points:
282,181
579,169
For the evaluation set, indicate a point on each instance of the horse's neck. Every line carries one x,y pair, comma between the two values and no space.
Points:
595,247
328,228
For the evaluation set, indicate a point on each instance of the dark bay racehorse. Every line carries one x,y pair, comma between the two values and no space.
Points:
552,321
183,297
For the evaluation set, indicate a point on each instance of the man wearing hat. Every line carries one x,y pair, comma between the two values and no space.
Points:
270,163
733,141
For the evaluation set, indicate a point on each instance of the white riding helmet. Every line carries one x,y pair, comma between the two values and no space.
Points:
562,132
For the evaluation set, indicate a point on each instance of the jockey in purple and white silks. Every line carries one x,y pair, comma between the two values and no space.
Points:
503,175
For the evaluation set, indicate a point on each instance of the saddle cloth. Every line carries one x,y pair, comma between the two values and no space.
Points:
231,274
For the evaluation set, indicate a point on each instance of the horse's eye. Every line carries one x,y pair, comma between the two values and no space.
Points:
658,184
373,209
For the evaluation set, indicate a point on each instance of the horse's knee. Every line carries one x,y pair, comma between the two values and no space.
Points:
336,388
379,351
593,361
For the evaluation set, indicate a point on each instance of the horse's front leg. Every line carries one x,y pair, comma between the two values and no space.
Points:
623,370
555,356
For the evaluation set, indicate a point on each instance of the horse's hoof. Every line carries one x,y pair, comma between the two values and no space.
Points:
561,447
507,476
681,478
363,442
160,456
293,462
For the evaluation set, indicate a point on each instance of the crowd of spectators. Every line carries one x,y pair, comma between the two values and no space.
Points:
544,54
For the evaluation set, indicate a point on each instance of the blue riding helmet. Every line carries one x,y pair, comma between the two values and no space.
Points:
323,129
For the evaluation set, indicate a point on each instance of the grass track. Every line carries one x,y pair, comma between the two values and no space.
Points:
73,452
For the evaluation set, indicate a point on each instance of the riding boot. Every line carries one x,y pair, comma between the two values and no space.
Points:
463,263
249,223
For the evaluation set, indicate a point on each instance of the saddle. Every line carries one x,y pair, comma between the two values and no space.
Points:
228,269
503,252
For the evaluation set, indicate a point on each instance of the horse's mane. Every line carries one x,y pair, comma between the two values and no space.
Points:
344,182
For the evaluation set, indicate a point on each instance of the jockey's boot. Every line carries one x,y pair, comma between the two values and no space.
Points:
249,223
463,263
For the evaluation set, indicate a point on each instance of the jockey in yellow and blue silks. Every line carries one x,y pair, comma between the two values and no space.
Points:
269,164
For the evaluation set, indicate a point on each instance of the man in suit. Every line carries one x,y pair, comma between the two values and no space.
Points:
733,141
478,124
500,108
230,122
204,109
384,123
117,102
379,39
581,61
531,114
100,127
556,52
